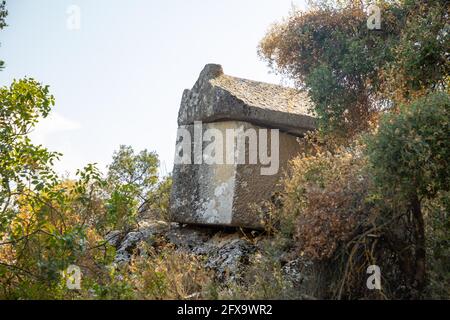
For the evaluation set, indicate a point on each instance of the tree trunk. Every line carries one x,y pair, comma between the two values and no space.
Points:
420,254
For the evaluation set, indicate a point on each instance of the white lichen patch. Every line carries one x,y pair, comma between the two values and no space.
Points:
218,208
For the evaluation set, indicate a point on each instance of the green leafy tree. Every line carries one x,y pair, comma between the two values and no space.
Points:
130,177
23,165
351,72
410,160
45,223
48,223
421,54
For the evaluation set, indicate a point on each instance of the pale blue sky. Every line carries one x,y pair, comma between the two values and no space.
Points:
119,79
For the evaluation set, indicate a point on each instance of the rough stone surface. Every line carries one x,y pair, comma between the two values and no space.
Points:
225,194
228,256
218,97
295,271
114,238
226,253
126,246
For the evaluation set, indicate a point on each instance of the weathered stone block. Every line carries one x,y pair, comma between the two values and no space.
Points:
210,191
223,194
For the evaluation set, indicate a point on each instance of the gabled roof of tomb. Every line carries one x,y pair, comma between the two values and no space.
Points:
265,95
220,97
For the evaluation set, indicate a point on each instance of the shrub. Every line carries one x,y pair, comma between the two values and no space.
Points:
327,194
337,221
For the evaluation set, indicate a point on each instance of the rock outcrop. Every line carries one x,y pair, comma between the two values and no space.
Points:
226,253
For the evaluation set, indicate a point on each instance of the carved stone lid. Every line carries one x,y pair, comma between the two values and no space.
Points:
219,97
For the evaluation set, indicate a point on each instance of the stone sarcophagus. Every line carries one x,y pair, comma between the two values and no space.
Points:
234,140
